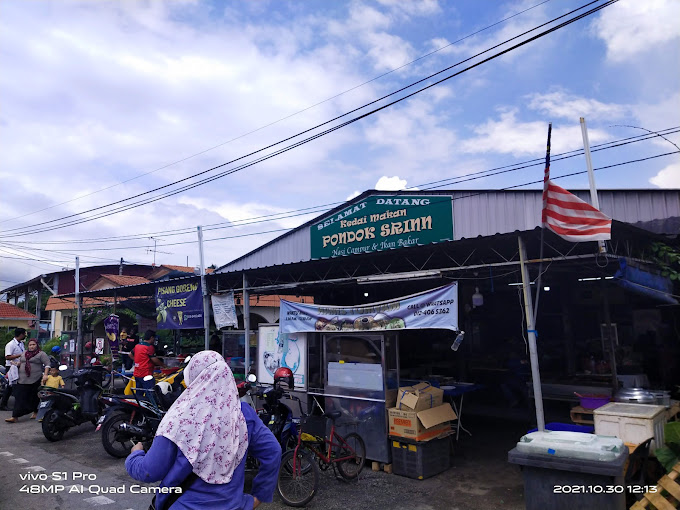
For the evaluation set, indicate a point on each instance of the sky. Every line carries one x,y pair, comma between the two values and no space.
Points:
104,102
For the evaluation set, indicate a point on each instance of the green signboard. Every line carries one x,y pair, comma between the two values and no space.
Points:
383,223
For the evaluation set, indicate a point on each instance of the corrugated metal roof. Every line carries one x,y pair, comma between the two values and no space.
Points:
477,213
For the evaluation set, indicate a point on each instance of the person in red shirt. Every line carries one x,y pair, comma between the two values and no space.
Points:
144,356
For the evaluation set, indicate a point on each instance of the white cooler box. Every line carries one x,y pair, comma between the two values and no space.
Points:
572,445
632,423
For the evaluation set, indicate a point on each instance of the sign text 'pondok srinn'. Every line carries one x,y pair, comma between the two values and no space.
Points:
383,223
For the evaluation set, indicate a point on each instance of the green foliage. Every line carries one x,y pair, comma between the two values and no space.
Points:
5,337
669,455
668,259
47,346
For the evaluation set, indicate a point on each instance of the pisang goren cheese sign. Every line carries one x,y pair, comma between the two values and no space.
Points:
383,223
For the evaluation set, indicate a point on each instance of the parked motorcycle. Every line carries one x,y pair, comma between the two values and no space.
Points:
60,408
136,419
4,381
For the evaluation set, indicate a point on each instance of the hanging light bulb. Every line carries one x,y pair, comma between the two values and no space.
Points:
477,298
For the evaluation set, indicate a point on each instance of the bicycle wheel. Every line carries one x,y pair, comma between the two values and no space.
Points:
298,478
354,448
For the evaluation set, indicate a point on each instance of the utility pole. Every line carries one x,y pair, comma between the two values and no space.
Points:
79,304
204,289
591,176
120,267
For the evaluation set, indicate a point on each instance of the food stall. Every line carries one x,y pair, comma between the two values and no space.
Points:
346,358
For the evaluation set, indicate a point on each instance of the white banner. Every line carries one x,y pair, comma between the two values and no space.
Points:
224,311
434,309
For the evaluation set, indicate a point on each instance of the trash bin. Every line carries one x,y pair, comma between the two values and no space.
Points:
568,470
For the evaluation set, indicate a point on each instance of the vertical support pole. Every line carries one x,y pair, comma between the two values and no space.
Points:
120,267
79,304
38,306
591,176
612,346
246,323
533,354
206,297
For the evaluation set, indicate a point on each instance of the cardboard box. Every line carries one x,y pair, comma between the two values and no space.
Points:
421,425
419,397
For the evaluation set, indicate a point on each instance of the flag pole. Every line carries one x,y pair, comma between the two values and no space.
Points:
546,178
591,176
531,331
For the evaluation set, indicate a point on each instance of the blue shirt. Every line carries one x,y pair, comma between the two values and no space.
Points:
165,462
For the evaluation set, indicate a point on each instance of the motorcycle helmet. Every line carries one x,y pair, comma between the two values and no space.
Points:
56,350
284,374
165,387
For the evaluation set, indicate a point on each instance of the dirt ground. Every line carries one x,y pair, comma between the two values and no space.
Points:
480,477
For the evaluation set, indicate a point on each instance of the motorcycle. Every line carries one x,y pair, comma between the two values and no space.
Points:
136,419
4,379
60,408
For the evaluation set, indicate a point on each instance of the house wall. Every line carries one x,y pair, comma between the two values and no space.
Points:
14,323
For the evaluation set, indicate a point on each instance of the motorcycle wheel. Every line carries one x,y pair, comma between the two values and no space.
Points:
115,446
50,427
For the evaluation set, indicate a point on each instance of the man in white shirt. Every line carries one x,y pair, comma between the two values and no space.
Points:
13,351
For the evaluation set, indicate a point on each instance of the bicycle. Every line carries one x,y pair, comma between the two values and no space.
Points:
299,474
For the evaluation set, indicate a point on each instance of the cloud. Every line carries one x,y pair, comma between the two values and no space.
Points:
668,177
569,106
507,135
413,8
632,28
390,183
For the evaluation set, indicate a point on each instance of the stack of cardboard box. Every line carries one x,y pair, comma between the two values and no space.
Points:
420,414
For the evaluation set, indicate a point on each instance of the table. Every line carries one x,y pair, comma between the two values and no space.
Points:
459,389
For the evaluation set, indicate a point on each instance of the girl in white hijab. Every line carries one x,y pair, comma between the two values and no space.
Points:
202,441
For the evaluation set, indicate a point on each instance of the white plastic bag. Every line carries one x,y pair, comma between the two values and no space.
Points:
13,374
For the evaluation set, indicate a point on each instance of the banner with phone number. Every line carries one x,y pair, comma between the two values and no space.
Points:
434,309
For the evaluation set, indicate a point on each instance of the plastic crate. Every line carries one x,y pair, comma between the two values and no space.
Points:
419,460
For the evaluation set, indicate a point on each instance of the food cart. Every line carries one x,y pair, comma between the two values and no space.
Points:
346,358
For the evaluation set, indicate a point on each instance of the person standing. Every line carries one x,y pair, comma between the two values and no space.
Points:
202,442
34,364
144,356
13,351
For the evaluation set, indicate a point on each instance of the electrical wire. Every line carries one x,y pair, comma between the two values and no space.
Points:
116,210
283,118
309,210
443,199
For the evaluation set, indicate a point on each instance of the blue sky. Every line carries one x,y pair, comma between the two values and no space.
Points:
107,95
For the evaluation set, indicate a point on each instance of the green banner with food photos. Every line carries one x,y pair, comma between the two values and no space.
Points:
380,223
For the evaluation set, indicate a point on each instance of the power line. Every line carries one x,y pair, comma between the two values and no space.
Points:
284,118
308,210
472,194
318,135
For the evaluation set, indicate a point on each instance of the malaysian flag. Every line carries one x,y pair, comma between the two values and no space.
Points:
567,215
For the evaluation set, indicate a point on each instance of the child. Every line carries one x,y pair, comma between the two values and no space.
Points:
54,380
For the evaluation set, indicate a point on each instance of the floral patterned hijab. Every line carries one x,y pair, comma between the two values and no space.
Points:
206,422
